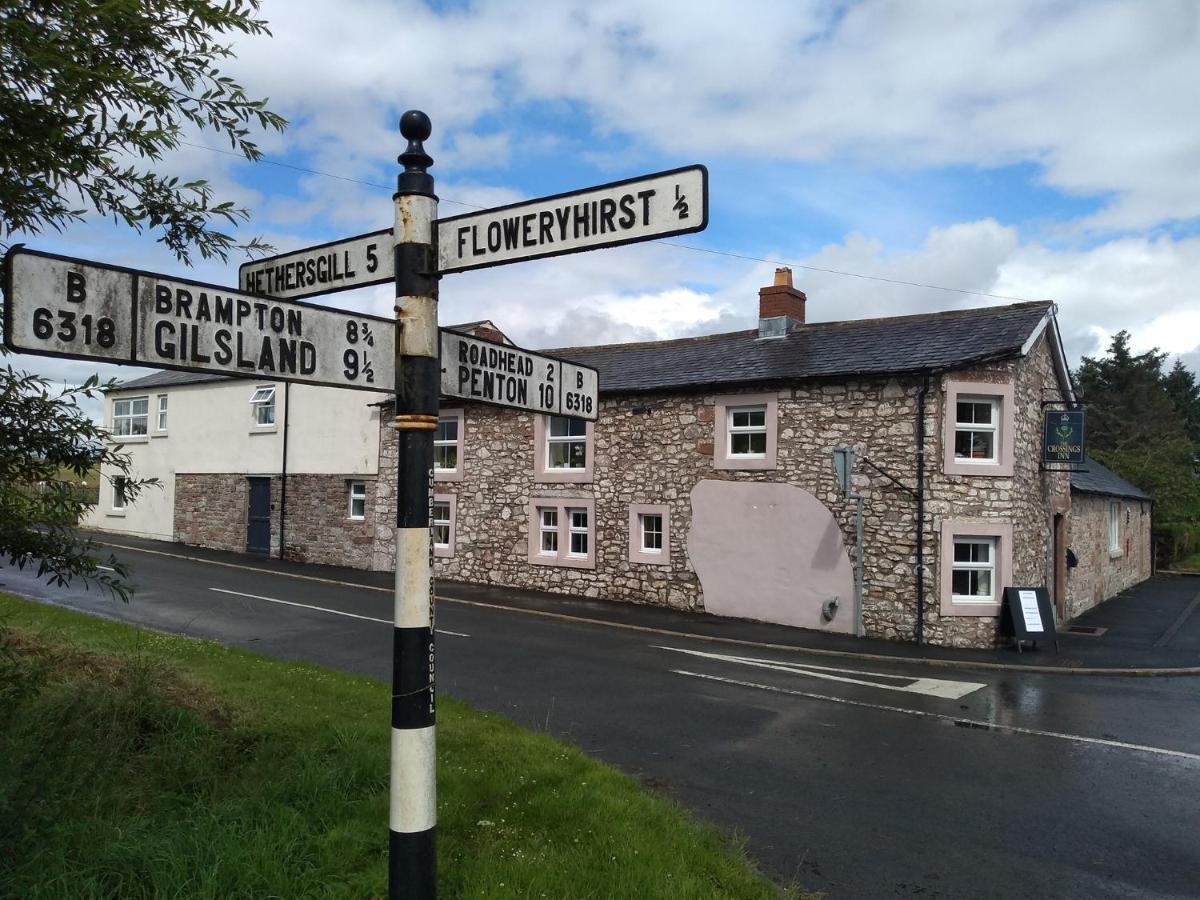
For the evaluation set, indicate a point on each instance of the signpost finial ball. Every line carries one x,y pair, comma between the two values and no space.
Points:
415,125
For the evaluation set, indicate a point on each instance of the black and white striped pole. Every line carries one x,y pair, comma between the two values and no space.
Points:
412,857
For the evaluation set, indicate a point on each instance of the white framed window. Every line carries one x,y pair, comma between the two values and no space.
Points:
1114,528
566,443
977,430
973,574
263,402
443,524
650,529
119,494
976,566
130,416
746,432
563,449
579,533
548,531
357,500
446,444
746,429
562,532
650,534
160,421
978,425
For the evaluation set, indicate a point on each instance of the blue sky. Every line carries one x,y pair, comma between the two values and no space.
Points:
1042,150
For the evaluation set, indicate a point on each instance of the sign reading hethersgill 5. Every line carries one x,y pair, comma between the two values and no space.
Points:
61,306
1063,436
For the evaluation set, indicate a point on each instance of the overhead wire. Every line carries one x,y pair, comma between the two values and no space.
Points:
732,255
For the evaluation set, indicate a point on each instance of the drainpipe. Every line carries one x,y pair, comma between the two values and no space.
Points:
921,508
287,421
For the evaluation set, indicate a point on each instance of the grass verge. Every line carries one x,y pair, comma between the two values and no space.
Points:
138,764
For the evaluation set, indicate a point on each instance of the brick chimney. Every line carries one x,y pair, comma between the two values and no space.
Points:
777,302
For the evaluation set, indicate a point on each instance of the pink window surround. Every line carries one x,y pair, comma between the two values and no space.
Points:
636,553
962,528
451,499
726,402
985,390
542,474
562,557
455,474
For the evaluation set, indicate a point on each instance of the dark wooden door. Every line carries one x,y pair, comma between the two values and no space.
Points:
258,522
1060,566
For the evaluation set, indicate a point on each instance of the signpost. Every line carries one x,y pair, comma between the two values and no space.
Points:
487,372
61,306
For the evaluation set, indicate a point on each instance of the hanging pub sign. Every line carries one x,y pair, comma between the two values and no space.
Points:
1063,437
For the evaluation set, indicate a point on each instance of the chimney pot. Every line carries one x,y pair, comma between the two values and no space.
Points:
783,277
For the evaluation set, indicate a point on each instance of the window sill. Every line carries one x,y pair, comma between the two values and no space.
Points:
1115,554
984,470
563,476
968,608
567,562
440,475
115,514
264,429
356,518
744,463
159,434
650,558
443,551
130,438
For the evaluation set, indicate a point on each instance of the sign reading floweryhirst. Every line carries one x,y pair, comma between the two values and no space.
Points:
61,306
486,372
638,209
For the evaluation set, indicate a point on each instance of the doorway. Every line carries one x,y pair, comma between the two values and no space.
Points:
258,521
1060,566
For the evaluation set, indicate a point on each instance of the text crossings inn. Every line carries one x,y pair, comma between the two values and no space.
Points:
706,482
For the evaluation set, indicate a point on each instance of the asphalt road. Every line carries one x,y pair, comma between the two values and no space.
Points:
861,779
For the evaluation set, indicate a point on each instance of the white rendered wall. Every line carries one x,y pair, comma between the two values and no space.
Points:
211,429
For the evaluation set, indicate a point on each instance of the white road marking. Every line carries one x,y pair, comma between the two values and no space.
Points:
957,720
106,568
932,687
335,612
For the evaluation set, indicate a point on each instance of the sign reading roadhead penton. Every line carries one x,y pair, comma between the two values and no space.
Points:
638,209
60,306
509,376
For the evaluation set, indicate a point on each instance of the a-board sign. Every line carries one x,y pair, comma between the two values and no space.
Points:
502,375
61,306
324,269
1063,436
1027,615
637,209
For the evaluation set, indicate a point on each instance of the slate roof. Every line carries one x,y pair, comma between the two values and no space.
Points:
929,341
1101,480
942,340
169,378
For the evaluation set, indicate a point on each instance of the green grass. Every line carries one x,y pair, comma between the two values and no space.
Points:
138,764
1191,564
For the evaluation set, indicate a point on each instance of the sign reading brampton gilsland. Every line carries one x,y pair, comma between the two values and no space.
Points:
508,376
638,209
1063,436
60,306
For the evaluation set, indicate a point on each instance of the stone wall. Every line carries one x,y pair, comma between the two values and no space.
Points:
654,449
211,510
1102,574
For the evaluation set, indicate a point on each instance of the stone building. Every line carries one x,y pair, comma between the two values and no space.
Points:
707,483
